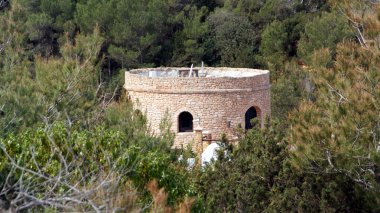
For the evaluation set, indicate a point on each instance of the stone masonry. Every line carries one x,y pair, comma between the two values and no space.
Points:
218,99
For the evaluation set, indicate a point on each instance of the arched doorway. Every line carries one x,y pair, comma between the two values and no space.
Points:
185,122
249,115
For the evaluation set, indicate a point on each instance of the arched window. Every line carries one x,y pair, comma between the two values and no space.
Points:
249,115
185,122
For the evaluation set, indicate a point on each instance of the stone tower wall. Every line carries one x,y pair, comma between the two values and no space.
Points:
217,104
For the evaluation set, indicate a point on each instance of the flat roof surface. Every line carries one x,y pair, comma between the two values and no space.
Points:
216,72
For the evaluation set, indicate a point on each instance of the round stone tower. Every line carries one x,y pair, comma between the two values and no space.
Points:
216,100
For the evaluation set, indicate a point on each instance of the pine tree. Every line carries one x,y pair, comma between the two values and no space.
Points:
325,31
339,131
243,180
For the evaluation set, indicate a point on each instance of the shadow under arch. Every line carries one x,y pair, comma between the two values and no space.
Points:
252,113
185,122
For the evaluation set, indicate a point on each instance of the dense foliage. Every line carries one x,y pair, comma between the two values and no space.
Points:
70,141
259,177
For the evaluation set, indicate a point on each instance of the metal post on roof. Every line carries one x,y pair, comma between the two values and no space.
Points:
191,70
202,72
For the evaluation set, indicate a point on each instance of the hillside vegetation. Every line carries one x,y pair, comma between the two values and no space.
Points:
71,141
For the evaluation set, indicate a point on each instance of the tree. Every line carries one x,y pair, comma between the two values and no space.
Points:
273,47
297,190
46,90
233,37
188,43
279,41
243,182
64,169
46,22
338,132
325,31
287,92
132,29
